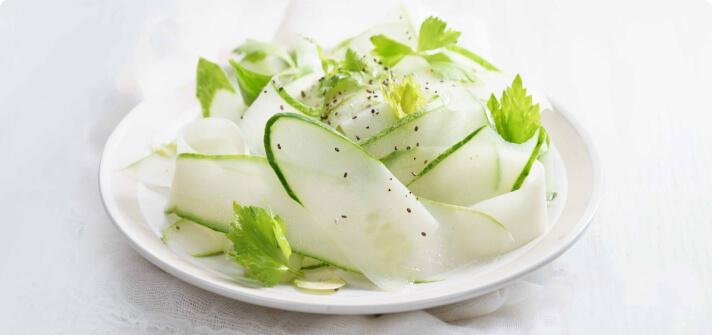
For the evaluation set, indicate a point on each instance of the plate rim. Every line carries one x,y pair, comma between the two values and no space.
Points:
350,309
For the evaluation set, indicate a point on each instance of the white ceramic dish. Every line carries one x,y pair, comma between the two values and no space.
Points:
136,209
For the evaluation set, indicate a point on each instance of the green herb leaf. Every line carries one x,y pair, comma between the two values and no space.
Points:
473,57
434,34
255,51
259,244
251,83
210,78
353,62
388,50
404,97
515,116
445,68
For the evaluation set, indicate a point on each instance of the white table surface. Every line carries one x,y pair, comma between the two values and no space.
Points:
638,74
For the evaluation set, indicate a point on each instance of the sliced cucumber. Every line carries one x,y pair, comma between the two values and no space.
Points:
212,136
441,127
480,166
227,105
524,211
156,169
381,228
269,103
406,164
364,124
193,239
205,187
467,235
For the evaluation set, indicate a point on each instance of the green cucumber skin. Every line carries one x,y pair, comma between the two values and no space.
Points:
296,104
446,153
543,136
473,57
405,120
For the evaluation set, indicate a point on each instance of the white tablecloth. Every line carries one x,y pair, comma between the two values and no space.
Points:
637,73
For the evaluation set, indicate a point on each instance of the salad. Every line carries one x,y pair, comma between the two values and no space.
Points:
395,157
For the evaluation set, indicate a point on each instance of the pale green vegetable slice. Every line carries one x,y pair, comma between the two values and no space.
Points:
467,235
228,106
524,211
426,128
156,169
205,187
194,239
406,164
381,228
480,166
212,136
269,103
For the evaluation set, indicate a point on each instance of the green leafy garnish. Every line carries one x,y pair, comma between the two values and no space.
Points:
404,97
259,244
251,83
352,61
434,34
515,115
444,67
210,78
256,51
388,50
345,76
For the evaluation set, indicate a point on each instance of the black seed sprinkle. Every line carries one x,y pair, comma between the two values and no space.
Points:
417,144
177,227
367,127
370,81
242,117
273,82
416,128
414,158
422,233
281,107
265,91
358,138
407,210
407,148
395,148
343,216
337,149
413,173
425,161
346,174
281,89
389,190
279,146
373,111
303,94
354,117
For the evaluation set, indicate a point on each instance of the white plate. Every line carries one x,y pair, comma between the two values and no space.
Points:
136,209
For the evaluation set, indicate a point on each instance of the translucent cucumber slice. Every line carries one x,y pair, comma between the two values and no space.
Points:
193,239
380,226
205,187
